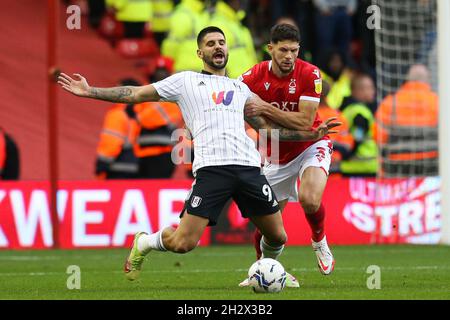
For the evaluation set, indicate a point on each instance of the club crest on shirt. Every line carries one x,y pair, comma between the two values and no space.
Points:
292,86
266,85
195,202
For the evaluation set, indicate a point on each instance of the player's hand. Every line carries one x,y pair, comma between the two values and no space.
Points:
254,110
327,126
78,87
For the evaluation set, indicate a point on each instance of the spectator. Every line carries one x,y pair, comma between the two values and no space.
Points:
367,37
188,18
9,157
133,14
157,121
300,12
362,91
115,156
362,160
162,11
406,127
338,75
334,29
343,141
242,55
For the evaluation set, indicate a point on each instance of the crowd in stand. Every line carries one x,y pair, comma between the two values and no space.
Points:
160,35
334,37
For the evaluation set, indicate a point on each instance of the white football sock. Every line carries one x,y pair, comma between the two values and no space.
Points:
153,241
269,251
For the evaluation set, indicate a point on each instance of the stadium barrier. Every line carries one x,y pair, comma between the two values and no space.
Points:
95,214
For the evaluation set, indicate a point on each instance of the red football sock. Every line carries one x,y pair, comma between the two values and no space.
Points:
257,240
317,223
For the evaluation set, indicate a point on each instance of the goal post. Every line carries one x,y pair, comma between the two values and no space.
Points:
443,22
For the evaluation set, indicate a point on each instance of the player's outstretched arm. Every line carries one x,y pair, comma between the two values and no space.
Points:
285,134
301,120
125,94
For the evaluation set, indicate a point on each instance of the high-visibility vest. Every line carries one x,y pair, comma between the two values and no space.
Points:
2,152
365,158
115,148
344,137
132,10
187,20
242,55
340,88
406,128
157,121
162,11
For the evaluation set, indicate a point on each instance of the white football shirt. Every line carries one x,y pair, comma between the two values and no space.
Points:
213,110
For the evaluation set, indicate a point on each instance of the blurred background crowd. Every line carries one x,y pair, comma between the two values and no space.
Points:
159,36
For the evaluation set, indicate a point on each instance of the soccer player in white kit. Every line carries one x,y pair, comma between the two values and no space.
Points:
226,163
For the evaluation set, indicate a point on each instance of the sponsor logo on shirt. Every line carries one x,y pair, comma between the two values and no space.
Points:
221,97
285,105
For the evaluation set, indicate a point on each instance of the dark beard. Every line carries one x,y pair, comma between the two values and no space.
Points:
284,71
211,63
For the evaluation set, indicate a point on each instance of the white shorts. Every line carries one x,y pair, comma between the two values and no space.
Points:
283,177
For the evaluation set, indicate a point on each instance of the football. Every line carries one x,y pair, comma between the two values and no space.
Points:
267,276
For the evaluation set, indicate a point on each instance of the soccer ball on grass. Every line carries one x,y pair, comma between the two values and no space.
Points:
267,275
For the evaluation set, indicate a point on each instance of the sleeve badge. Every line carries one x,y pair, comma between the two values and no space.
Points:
318,86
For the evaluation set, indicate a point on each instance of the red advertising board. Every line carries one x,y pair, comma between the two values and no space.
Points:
107,214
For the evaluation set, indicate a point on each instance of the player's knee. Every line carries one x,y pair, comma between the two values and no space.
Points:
277,239
310,202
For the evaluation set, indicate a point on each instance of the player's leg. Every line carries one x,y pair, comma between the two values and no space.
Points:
257,236
312,186
282,181
180,240
210,191
258,202
273,234
313,177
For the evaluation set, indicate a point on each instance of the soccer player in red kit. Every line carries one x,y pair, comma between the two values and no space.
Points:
293,87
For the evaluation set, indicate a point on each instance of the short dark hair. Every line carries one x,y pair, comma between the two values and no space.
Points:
284,31
207,30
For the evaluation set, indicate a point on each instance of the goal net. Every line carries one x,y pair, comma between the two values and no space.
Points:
406,37
407,119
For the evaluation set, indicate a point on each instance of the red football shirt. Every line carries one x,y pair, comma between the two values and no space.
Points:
304,83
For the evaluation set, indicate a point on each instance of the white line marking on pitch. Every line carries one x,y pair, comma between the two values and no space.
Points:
362,269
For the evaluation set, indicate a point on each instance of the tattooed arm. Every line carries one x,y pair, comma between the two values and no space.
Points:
285,134
126,94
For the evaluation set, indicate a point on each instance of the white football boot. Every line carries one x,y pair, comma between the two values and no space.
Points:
325,260
291,281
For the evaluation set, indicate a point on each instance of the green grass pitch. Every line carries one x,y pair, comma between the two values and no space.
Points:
407,272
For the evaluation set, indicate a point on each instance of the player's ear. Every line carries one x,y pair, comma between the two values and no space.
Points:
270,47
200,53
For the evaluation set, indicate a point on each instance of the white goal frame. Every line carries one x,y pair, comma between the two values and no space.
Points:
443,28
